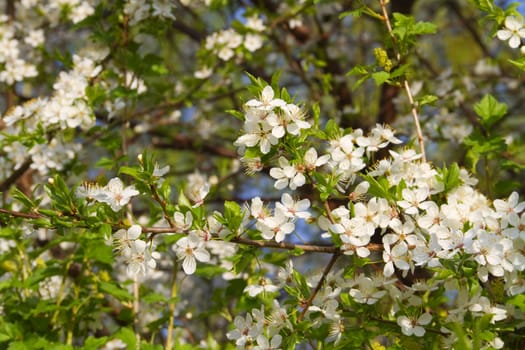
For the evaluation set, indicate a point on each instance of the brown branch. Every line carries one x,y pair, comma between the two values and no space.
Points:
18,214
327,269
183,142
287,246
188,30
453,6
7,183
405,84
162,204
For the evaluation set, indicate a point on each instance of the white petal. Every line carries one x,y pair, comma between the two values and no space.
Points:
189,265
424,319
267,93
202,255
513,23
134,231
514,41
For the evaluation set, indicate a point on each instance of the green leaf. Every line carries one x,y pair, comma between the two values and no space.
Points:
95,94
450,177
274,83
379,188
106,163
116,291
41,274
237,114
133,172
22,198
519,63
302,285
518,300
316,112
183,200
98,251
478,146
94,343
208,271
297,251
127,336
490,110
332,129
427,100
353,13
380,77
406,30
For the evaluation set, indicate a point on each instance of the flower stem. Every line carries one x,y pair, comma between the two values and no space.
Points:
171,308
406,85
136,309
319,285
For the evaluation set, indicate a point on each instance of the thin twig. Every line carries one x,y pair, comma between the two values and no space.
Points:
171,308
406,86
136,310
162,203
18,214
4,186
327,269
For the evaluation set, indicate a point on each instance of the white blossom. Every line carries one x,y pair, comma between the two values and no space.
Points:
513,32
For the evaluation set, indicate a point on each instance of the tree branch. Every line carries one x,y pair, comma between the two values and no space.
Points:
405,84
7,183
327,269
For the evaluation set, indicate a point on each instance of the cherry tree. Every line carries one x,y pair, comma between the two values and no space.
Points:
261,174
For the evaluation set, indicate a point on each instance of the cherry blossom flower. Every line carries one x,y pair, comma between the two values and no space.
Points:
190,249
411,326
263,286
115,194
278,319
257,134
513,32
277,226
367,291
253,42
312,161
294,119
258,209
140,259
293,209
287,175
510,209
347,156
328,308
246,331
413,199
123,239
264,344
396,256
267,101
255,23
197,188
480,306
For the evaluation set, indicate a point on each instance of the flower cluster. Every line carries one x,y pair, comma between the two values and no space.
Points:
281,223
140,10
15,68
268,120
258,328
225,43
348,152
134,252
66,109
113,194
